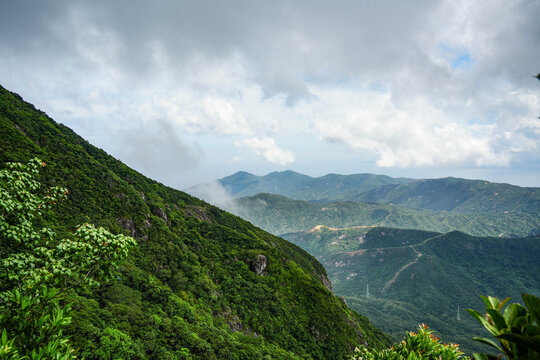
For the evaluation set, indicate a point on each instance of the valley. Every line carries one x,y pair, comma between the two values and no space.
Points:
416,251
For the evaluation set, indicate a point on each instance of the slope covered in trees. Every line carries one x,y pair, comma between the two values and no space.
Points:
401,278
279,215
194,287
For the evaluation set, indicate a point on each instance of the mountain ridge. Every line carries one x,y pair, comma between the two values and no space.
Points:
188,290
304,187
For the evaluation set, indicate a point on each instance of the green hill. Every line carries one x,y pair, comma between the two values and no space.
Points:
279,215
298,186
417,277
446,194
457,195
189,290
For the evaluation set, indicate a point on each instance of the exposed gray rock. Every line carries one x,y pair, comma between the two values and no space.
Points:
326,282
159,212
127,224
258,264
147,224
198,212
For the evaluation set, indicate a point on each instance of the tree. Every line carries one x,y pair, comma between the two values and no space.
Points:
37,270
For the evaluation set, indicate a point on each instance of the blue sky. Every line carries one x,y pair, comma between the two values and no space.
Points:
186,92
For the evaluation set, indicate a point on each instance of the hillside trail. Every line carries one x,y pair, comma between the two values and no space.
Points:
418,256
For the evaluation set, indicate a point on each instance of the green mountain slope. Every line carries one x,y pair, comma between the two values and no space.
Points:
458,195
414,276
279,215
298,186
446,194
190,289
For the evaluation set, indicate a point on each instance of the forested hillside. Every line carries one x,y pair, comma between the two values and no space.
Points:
458,195
400,278
280,215
196,286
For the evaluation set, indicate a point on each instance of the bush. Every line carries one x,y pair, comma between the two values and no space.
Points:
415,346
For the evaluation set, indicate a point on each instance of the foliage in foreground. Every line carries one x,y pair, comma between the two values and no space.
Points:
415,346
517,328
37,271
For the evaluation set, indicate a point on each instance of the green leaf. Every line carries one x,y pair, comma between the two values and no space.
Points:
478,356
513,313
498,319
532,342
479,317
488,342
533,305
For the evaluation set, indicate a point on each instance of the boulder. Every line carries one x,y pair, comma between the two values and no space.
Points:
258,264
159,212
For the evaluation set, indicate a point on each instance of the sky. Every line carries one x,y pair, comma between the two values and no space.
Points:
190,91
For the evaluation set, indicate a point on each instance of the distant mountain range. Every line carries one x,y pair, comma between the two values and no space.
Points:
298,186
286,201
409,241
445,194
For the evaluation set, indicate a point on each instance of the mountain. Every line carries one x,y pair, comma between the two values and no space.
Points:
445,194
195,286
298,186
400,278
457,195
279,215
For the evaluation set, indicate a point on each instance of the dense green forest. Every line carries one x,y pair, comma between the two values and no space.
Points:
200,284
279,215
400,278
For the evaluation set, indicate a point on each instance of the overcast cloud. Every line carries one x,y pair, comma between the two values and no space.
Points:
192,90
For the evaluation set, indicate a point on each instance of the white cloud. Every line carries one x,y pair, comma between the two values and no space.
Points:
414,134
429,83
268,148
214,193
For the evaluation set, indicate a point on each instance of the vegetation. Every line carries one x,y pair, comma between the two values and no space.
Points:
37,271
415,276
187,291
457,195
517,328
415,346
446,194
281,215
288,183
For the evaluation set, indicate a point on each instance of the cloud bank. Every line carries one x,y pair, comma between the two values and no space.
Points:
431,83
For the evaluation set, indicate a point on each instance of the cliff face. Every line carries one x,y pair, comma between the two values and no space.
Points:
202,283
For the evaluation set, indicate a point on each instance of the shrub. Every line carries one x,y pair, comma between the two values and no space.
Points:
517,328
415,346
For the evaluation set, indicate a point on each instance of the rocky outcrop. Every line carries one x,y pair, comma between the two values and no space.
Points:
198,212
258,264
326,282
160,213
127,224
